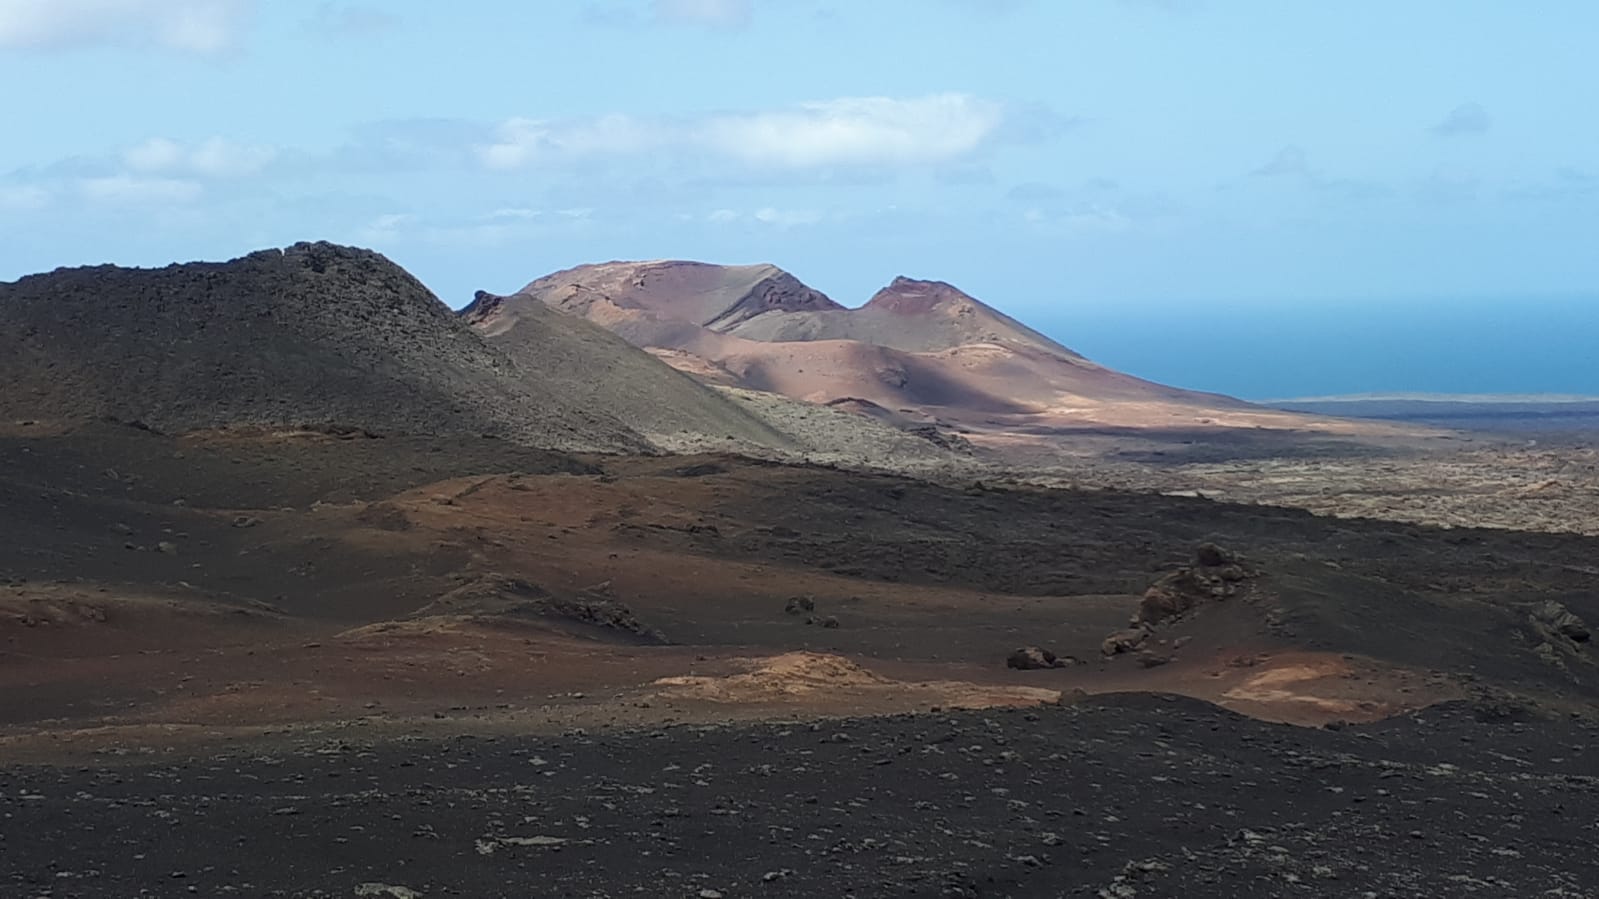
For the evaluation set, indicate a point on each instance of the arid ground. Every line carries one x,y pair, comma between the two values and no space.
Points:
442,666
310,586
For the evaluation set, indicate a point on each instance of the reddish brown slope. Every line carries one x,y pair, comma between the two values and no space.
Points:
920,346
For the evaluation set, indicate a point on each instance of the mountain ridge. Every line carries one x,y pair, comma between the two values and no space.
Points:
315,334
919,346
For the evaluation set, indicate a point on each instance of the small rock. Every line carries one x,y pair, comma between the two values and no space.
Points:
385,889
1032,658
1212,556
1124,641
1554,619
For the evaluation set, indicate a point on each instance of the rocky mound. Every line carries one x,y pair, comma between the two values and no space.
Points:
602,372
1216,575
316,334
592,613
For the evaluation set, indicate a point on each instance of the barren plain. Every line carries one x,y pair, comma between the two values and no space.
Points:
498,640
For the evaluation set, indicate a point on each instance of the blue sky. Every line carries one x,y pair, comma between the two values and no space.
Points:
1323,177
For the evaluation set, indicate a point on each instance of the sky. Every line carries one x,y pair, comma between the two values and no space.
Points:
1252,196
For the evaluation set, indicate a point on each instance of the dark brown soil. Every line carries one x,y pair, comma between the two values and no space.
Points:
1127,796
181,618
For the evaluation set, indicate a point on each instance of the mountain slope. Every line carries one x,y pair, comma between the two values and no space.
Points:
718,297
910,315
599,370
919,346
316,334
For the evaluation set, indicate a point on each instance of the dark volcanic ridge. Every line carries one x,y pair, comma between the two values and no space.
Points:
315,334
595,369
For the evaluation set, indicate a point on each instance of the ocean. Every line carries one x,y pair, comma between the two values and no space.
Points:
1322,348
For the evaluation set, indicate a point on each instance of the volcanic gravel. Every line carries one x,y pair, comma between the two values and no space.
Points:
1121,796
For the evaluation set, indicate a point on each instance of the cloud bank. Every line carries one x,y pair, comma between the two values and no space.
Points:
1467,118
710,13
205,27
849,131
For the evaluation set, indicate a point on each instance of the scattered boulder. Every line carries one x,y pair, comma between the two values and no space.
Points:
602,590
799,604
1128,640
499,597
390,891
827,621
1553,621
1209,555
384,516
1032,658
1216,574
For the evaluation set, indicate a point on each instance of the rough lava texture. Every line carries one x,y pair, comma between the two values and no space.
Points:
1216,575
602,372
315,335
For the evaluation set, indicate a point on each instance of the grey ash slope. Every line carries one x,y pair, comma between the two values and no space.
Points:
317,334
599,370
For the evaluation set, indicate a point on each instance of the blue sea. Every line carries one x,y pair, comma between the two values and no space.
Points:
1298,349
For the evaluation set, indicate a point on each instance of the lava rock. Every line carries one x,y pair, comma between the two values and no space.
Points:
1032,658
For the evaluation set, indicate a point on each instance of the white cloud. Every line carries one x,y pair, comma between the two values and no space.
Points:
514,213
385,228
335,20
23,198
499,228
851,131
787,218
522,142
1097,217
1290,161
1467,118
213,157
190,26
712,13
766,215
1081,217
859,131
154,155
130,190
